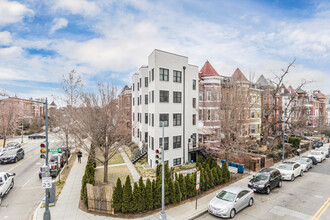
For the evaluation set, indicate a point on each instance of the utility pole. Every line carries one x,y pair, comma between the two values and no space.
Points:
163,214
47,211
283,133
22,130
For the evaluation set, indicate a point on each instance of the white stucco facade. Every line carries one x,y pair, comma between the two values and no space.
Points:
171,94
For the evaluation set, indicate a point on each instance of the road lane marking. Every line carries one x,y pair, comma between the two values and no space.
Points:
26,183
20,163
321,210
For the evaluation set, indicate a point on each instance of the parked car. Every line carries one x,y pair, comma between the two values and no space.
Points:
12,156
6,183
58,158
319,144
305,163
36,136
13,145
326,150
290,170
230,201
54,168
265,180
319,155
314,161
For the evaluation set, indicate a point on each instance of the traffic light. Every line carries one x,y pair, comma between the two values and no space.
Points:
158,156
43,150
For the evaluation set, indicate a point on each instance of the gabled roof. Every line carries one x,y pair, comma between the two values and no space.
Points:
262,81
301,91
239,76
125,88
207,70
285,89
320,95
291,90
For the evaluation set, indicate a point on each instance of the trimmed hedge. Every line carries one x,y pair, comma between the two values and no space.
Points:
88,176
141,198
295,141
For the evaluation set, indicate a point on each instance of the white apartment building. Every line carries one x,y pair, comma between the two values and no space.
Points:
166,91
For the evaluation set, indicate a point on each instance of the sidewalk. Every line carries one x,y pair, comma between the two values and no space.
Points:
130,166
68,201
67,205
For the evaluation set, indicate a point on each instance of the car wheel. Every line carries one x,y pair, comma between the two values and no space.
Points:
15,159
292,177
232,213
251,202
12,184
0,200
267,190
301,173
279,184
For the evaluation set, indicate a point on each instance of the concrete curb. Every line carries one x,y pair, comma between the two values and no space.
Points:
196,215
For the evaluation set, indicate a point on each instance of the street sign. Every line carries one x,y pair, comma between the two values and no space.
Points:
197,186
55,150
198,177
46,182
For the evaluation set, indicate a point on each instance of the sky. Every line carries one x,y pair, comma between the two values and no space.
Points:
107,41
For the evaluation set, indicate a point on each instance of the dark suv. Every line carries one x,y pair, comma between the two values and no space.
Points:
12,156
265,180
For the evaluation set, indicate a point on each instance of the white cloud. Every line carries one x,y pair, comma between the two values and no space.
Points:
12,12
83,7
5,38
58,23
11,52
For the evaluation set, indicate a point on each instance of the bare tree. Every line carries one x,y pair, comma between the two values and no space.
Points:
290,108
232,113
11,112
62,118
99,120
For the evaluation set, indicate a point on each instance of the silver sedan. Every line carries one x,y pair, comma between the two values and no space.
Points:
305,163
230,201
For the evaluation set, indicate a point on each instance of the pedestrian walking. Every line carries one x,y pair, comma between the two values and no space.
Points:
79,156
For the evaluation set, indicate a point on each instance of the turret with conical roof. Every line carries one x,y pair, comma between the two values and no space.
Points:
207,70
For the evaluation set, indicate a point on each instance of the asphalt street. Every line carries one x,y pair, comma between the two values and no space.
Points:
27,192
305,198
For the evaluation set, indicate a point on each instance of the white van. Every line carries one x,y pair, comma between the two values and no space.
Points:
326,150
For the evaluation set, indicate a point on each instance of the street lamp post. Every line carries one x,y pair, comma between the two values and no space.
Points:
163,214
47,211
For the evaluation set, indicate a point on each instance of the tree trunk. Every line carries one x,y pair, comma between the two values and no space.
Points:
4,140
105,178
67,147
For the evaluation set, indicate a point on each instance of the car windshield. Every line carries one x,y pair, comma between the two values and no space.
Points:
11,145
262,176
227,196
301,160
9,153
285,167
315,153
53,159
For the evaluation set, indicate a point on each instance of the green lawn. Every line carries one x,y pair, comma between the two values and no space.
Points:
113,174
116,159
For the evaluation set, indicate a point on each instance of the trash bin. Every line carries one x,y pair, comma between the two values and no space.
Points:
240,168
